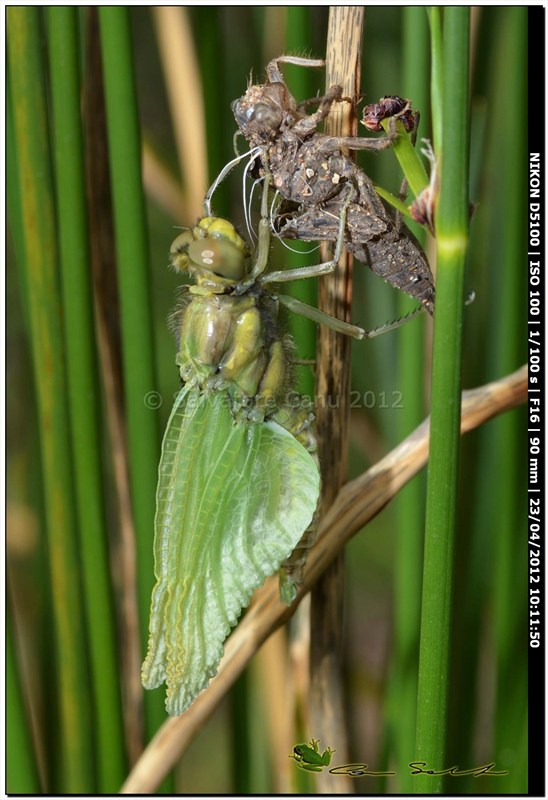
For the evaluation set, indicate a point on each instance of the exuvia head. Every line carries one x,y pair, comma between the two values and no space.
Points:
263,111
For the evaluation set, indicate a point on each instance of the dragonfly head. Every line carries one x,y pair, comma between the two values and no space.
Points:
264,111
212,251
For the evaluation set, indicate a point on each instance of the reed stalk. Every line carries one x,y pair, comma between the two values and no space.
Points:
73,770
409,506
452,238
83,385
327,711
134,281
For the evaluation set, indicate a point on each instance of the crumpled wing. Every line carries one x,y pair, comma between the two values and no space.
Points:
233,501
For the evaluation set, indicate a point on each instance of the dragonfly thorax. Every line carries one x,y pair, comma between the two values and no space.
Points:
232,342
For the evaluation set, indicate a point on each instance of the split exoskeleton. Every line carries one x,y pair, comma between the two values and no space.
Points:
325,196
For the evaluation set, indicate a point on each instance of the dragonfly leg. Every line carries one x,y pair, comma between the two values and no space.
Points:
317,100
326,267
313,313
338,325
398,218
331,143
262,250
308,124
415,128
273,70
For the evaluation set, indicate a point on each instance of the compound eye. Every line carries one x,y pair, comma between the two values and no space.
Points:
222,258
179,250
268,117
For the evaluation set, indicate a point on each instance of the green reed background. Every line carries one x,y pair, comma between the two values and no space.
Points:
66,656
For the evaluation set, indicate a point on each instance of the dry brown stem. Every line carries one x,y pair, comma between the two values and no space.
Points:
327,708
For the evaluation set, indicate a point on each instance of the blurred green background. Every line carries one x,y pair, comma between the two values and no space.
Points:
65,487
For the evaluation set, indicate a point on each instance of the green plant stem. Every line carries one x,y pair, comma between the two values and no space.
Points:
409,159
409,505
510,607
83,391
21,769
133,278
39,262
452,236
436,86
